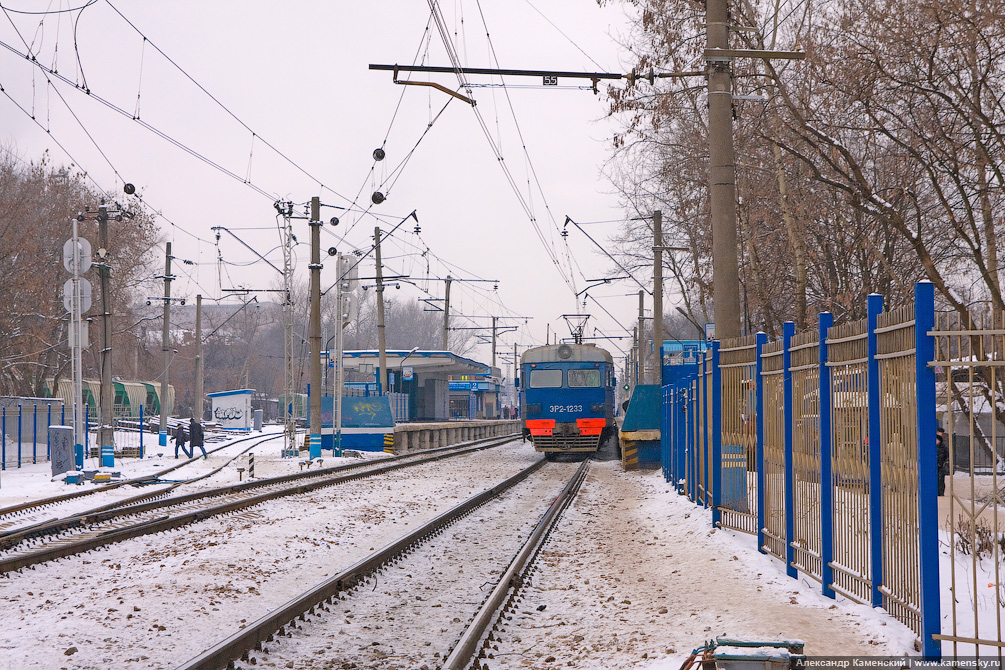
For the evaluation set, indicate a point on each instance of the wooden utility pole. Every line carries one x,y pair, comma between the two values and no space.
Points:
165,347
658,295
314,336
197,404
446,314
382,354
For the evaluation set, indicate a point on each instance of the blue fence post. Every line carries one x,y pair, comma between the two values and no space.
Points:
87,429
19,435
788,331
141,431
62,414
716,457
3,438
928,511
34,433
48,442
825,321
762,339
875,307
692,439
701,438
680,464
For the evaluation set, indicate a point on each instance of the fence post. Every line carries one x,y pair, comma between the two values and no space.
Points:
928,511
701,464
34,433
716,457
141,431
48,440
87,430
19,435
680,435
875,307
788,331
3,438
692,443
826,320
762,339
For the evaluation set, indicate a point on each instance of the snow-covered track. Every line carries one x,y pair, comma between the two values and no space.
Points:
475,645
318,601
83,532
10,515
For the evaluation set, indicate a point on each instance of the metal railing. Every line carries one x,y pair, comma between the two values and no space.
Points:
24,432
823,444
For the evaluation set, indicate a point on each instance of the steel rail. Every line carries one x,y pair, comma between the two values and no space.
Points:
253,636
14,535
464,652
96,538
145,479
100,514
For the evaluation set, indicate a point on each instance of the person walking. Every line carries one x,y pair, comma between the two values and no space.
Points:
942,458
196,436
180,438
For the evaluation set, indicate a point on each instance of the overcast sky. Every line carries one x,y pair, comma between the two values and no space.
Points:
294,75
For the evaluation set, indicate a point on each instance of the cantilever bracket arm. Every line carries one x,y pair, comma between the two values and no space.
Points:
433,84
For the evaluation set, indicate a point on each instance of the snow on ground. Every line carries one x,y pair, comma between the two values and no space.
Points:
155,601
635,577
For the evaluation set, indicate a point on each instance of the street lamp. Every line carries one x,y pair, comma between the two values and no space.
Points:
401,365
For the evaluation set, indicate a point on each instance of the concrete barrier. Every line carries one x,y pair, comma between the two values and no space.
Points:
409,437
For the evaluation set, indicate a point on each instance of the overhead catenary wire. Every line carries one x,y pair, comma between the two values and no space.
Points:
455,63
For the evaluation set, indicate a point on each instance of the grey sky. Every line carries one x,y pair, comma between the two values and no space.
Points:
296,74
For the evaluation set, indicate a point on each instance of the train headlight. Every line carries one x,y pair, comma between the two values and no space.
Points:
597,407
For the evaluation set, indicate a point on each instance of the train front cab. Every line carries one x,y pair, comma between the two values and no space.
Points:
568,405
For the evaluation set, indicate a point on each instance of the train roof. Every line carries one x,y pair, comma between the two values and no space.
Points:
565,352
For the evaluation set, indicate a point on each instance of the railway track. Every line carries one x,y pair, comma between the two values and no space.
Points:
12,518
82,532
312,617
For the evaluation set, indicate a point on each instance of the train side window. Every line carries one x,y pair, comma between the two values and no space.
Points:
545,379
584,378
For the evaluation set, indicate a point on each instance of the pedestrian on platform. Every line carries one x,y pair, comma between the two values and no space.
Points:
195,434
180,438
942,458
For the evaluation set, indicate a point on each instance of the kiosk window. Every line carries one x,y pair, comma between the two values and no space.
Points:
545,379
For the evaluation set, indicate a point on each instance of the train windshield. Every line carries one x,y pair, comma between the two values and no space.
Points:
545,379
584,378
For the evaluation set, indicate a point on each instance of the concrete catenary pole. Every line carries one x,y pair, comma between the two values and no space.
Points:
382,353
446,313
314,335
106,429
657,294
197,403
494,319
722,176
641,339
165,347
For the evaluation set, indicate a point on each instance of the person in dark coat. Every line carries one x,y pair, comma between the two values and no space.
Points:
942,458
180,438
195,434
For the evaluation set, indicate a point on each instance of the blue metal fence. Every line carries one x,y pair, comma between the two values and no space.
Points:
827,439
24,431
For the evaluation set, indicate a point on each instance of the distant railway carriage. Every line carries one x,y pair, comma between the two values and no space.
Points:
567,395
